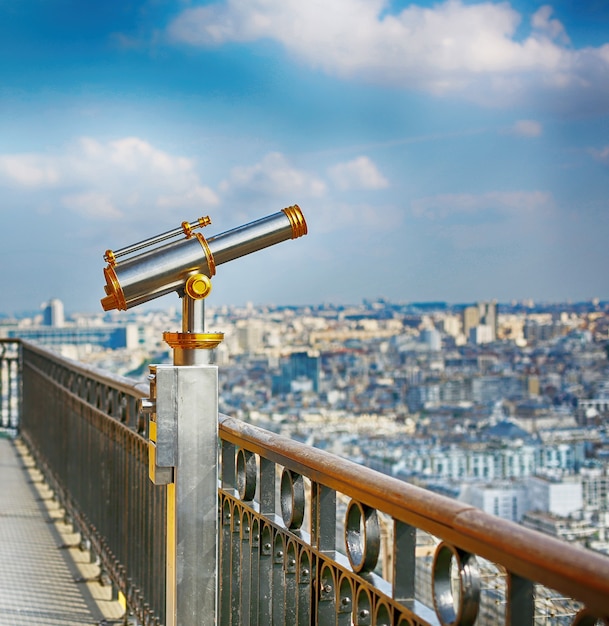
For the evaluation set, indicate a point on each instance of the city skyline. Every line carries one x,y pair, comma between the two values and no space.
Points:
450,151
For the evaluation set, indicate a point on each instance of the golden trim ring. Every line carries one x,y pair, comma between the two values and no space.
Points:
115,298
297,221
210,257
193,341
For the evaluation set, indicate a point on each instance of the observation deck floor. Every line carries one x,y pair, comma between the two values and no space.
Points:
40,558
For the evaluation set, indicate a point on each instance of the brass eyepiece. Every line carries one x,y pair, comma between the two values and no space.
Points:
297,220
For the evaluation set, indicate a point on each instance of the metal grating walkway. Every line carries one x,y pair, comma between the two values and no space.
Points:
39,555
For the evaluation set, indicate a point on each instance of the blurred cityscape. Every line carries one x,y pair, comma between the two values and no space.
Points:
503,406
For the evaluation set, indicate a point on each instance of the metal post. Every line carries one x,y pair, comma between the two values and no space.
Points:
192,500
184,456
193,497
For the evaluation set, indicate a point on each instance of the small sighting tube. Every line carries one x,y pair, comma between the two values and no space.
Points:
164,269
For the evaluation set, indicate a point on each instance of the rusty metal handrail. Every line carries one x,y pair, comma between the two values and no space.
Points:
569,569
114,381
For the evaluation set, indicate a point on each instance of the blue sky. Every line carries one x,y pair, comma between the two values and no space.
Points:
452,151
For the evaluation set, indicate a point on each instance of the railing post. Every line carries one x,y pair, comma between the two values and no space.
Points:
192,499
183,433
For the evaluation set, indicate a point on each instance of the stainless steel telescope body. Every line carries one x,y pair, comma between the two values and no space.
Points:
166,268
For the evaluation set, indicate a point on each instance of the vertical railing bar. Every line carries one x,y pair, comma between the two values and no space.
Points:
255,571
265,576
404,561
10,392
235,566
323,517
267,487
279,580
228,465
224,559
3,366
245,569
520,600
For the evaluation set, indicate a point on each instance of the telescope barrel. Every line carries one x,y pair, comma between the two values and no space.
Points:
164,269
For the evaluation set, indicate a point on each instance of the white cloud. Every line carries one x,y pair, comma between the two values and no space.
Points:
272,177
27,170
451,47
601,155
93,204
544,24
108,180
443,206
360,173
527,128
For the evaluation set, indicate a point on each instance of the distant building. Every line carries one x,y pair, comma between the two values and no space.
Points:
490,389
109,337
471,319
432,339
561,496
506,500
566,528
480,322
53,313
250,336
481,334
595,485
296,369
488,316
594,410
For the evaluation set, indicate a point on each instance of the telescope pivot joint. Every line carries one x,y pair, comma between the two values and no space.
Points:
198,286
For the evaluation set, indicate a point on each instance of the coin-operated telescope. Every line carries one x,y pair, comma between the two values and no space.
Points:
183,404
157,271
184,261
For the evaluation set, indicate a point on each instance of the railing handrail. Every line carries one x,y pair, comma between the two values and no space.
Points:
120,383
568,568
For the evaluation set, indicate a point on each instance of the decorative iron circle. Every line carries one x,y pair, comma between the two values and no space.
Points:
362,537
452,609
247,471
292,499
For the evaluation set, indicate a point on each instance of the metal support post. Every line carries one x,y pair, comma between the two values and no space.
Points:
192,498
183,447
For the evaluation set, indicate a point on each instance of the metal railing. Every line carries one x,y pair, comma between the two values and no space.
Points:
87,437
304,537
